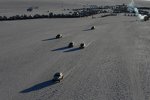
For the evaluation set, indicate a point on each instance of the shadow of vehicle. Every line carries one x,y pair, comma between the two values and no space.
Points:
71,50
39,86
62,48
49,39
87,30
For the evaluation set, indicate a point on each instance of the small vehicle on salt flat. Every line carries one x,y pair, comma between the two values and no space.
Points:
93,27
58,36
58,77
71,44
82,46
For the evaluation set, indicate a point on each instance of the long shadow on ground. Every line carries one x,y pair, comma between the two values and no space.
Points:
87,30
39,86
49,39
62,48
71,50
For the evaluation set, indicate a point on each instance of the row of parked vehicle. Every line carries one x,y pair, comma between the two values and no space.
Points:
59,75
71,44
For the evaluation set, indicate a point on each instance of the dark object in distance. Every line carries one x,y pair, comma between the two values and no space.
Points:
146,18
82,46
58,77
93,27
71,44
58,36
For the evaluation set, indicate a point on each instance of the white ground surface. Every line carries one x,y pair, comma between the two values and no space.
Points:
113,66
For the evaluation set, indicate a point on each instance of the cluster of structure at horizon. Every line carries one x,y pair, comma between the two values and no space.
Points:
81,12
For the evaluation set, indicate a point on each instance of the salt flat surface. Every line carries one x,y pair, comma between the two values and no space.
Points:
113,66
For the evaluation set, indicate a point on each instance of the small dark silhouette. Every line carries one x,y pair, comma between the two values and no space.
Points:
58,36
58,77
82,46
93,27
71,44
